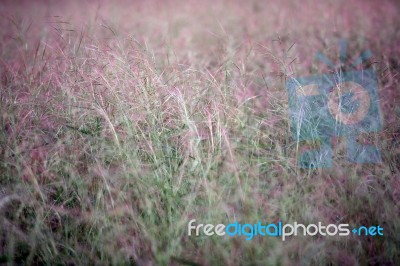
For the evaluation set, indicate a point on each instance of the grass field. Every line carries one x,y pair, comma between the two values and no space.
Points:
121,121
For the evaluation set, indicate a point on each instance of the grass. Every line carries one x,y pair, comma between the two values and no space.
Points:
121,123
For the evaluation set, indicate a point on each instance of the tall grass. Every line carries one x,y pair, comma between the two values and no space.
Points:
121,122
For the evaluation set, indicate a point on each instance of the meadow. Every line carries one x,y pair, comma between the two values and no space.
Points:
121,121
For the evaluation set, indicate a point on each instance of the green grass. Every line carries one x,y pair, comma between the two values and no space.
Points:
115,135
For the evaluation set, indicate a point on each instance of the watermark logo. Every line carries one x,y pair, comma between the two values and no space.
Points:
344,104
279,229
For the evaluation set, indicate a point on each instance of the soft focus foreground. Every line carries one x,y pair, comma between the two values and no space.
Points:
121,121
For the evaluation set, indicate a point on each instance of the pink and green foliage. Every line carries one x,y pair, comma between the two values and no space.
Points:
123,120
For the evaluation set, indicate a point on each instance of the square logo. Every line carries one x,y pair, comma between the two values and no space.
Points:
323,106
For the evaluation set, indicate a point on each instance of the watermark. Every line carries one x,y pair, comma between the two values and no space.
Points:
249,231
329,105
